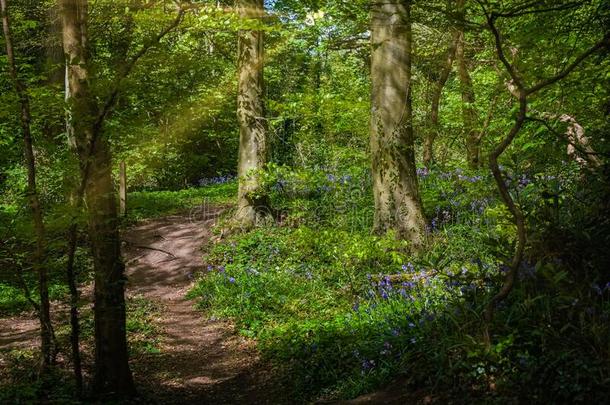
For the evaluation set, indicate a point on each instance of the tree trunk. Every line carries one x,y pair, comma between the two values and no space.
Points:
469,113
112,373
44,312
251,205
435,103
397,201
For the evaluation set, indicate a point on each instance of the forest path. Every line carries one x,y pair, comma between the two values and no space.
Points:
199,361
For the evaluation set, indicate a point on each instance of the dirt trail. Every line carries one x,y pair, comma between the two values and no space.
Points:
200,362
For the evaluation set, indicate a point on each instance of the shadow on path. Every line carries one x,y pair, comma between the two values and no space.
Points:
199,361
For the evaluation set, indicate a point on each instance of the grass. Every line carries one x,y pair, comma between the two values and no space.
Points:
152,204
343,312
16,225
19,381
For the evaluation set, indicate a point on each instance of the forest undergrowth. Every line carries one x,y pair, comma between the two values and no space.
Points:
345,312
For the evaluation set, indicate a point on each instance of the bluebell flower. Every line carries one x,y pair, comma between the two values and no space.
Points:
423,172
231,280
597,288
367,365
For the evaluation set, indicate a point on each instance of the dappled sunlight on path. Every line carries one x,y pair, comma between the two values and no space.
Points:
199,361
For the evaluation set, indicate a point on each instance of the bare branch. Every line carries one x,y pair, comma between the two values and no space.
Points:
605,42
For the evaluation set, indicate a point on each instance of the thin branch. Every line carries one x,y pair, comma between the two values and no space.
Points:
605,42
490,114
563,136
521,93
129,65
150,248
523,10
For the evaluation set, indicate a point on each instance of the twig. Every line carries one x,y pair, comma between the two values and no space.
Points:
151,248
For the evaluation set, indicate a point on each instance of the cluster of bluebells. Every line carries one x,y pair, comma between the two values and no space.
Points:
441,218
330,183
217,180
344,180
455,174
517,181
221,270
423,172
599,290
385,288
445,215
479,205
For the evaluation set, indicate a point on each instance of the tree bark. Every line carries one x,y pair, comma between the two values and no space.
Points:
397,202
437,92
43,309
112,374
469,112
253,145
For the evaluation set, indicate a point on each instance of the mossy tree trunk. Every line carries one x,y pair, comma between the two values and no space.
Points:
397,202
112,374
252,205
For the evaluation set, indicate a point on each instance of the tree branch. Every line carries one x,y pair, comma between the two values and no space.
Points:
605,42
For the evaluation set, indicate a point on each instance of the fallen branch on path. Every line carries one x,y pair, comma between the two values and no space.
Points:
150,248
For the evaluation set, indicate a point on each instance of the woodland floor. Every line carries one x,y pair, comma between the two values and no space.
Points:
199,360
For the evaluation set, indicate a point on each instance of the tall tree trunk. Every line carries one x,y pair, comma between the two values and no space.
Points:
469,112
44,312
397,202
437,92
251,206
112,373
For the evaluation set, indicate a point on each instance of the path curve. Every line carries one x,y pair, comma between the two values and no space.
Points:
200,361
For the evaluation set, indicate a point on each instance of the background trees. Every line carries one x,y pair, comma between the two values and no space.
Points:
455,85
42,307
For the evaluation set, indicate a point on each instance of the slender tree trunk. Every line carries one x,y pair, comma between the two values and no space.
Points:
76,199
74,316
469,112
437,92
251,206
44,312
112,373
397,202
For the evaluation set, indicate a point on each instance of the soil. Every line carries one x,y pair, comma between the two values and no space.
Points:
199,361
